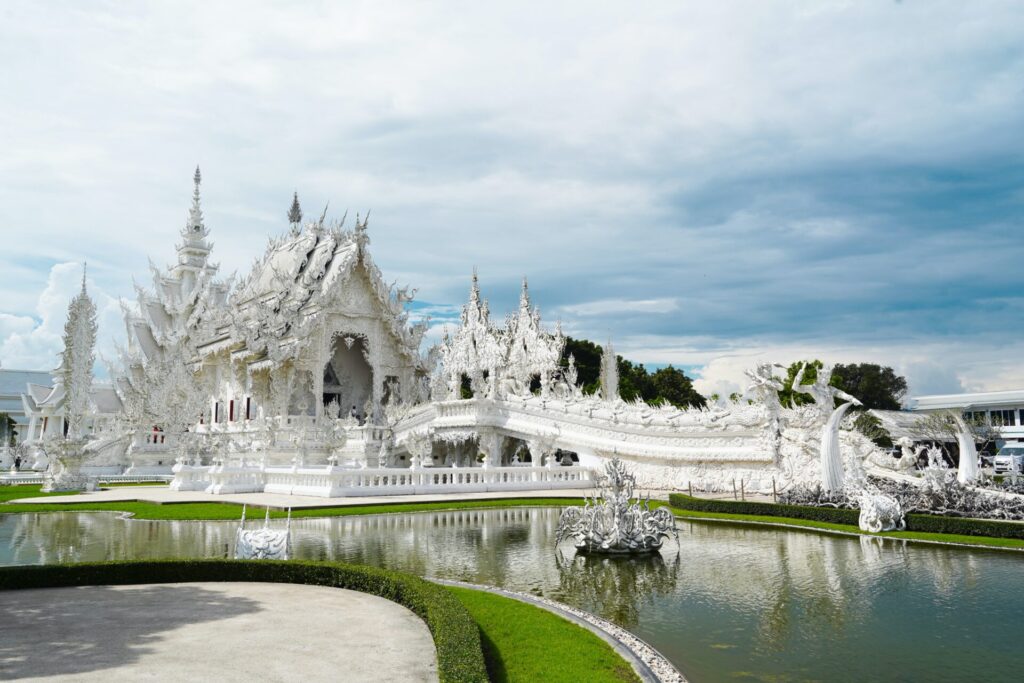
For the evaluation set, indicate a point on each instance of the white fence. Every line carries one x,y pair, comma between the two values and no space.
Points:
336,482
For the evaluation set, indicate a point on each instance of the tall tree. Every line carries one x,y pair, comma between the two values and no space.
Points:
876,386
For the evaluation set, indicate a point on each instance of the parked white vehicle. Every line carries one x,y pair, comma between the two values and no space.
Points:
1010,460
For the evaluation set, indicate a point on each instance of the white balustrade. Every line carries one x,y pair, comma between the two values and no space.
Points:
336,482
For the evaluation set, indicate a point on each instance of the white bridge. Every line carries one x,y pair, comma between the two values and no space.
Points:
511,444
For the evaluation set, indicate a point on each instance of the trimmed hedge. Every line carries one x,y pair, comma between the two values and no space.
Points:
938,524
456,636
742,507
934,524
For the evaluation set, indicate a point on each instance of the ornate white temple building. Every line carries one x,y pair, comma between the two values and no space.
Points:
306,376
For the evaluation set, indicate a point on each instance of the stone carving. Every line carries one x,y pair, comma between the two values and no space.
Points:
614,525
263,543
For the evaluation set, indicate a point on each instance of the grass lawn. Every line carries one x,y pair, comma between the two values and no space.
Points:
526,643
220,511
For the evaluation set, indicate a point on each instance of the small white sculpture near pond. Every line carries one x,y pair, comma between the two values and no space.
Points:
263,543
879,512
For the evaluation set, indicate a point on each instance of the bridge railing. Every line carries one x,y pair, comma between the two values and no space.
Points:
332,482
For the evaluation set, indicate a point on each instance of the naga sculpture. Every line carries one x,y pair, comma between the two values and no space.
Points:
614,525
263,543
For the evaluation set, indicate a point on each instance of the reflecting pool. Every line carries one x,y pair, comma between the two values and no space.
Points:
725,603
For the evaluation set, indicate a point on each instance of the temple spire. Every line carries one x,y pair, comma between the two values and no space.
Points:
524,296
195,226
474,289
295,213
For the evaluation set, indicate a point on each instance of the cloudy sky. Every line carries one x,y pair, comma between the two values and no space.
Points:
707,183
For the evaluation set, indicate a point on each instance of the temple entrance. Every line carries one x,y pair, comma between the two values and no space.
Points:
348,377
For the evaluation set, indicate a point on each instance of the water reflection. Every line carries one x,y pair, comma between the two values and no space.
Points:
615,587
725,601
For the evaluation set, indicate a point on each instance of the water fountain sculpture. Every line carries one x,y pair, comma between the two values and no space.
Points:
263,543
615,524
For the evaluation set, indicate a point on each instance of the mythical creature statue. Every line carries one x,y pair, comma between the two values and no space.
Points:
263,543
879,512
614,525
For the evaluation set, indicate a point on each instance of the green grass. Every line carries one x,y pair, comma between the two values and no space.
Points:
525,643
220,511
852,529
23,491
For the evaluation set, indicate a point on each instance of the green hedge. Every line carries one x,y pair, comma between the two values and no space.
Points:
742,507
935,524
456,636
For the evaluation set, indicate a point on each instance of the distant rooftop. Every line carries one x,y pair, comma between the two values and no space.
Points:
13,382
1014,397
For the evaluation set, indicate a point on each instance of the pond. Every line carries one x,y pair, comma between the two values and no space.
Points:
727,602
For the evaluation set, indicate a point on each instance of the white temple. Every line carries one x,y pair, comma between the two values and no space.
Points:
306,376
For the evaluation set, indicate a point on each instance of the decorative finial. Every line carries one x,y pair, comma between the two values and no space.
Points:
194,227
524,296
295,213
85,268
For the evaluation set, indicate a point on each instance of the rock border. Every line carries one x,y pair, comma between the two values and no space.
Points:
649,664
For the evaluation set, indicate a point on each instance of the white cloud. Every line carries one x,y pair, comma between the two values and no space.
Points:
707,174
606,306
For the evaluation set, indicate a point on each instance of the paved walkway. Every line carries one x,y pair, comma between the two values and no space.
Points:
211,631
163,494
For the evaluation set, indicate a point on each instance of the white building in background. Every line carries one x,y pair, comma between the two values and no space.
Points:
1004,410
15,383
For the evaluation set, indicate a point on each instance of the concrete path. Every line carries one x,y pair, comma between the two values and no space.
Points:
211,631
163,494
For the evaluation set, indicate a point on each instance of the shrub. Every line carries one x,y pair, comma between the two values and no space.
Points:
456,636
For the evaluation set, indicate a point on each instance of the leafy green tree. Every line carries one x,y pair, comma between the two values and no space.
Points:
876,386
668,384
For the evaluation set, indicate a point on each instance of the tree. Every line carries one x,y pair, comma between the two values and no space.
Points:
876,386
668,384
790,398
673,386
8,430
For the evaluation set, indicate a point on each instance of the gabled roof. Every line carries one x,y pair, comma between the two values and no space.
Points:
12,382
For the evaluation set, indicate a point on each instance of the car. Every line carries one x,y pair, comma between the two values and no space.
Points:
1010,460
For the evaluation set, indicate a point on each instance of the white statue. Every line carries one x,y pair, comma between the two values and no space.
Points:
879,512
968,470
824,397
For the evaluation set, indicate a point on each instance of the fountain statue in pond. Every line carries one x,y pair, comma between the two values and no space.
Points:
615,525
263,543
